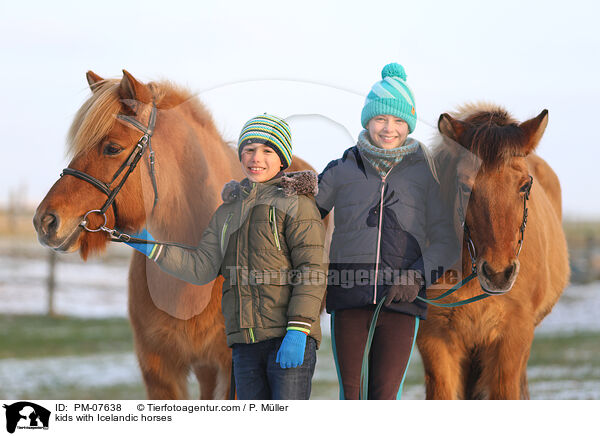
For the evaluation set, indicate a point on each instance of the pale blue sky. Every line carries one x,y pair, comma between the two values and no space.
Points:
245,58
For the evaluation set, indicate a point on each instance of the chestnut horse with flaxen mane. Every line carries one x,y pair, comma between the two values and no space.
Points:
178,327
481,350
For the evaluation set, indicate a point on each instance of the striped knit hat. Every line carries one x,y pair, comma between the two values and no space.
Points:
271,131
391,96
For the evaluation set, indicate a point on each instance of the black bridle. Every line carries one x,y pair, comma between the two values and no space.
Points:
143,144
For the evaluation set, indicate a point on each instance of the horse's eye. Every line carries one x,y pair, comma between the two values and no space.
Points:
111,149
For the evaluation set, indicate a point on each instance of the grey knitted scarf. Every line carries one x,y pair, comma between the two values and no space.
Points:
384,160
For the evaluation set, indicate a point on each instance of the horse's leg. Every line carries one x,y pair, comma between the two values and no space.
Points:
223,381
207,379
165,377
505,364
214,380
164,369
441,360
213,368
473,386
524,383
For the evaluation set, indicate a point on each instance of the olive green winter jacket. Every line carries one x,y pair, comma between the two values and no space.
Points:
266,239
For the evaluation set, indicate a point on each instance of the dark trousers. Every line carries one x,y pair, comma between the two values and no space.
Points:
259,377
390,350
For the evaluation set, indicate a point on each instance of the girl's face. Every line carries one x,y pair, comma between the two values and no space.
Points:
387,131
260,162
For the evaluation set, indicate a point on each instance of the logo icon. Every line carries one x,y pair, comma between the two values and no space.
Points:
26,415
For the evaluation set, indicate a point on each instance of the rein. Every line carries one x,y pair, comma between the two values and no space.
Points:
364,371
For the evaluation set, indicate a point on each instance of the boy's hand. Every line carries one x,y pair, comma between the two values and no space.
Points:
145,249
291,351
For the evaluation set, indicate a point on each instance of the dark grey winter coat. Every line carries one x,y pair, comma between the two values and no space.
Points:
370,247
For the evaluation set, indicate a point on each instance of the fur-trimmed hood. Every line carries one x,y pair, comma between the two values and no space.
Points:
292,183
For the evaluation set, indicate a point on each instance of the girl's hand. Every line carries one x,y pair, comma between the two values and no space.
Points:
402,294
405,293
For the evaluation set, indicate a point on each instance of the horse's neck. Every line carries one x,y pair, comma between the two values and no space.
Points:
193,191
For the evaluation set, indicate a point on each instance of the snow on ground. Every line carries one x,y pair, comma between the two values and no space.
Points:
577,310
25,377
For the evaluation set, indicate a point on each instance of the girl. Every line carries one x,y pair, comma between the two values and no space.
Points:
266,239
390,236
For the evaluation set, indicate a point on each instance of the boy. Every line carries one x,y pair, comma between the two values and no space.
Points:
266,239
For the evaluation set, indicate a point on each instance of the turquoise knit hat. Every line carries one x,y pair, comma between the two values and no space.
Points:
271,131
391,96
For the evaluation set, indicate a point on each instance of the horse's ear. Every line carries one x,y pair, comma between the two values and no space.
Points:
93,80
132,89
533,130
450,127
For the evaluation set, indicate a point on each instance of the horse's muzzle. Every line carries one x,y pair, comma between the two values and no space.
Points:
497,282
47,224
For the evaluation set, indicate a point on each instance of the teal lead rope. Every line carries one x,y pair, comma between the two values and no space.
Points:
364,370
452,290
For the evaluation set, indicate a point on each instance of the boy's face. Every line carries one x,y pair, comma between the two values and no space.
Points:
387,131
260,162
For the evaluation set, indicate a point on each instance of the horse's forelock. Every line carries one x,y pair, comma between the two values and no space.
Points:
96,117
494,144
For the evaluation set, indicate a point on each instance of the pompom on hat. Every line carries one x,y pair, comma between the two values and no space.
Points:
271,131
391,96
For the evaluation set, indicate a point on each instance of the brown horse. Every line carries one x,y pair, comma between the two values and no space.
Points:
178,327
481,350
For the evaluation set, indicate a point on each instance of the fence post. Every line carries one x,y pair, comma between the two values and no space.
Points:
590,274
51,282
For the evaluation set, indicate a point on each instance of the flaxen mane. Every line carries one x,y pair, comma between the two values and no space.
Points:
97,116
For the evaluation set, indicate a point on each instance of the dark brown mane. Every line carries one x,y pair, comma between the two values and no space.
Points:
493,135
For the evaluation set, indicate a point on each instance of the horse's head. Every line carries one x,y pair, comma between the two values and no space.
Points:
497,192
101,139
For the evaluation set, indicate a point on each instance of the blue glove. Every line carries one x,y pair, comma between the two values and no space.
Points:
145,249
291,352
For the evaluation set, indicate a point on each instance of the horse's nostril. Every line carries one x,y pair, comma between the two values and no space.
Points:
49,223
508,272
486,269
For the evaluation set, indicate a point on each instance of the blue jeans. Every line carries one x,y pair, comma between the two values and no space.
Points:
259,377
